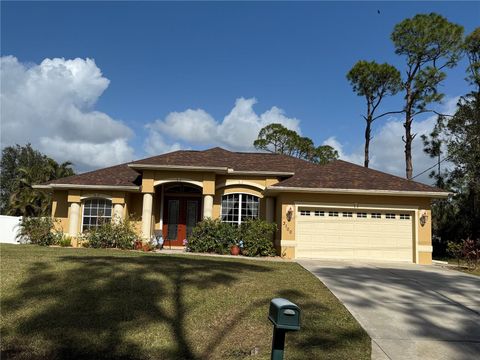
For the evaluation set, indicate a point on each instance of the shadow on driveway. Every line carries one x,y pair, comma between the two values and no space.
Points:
410,311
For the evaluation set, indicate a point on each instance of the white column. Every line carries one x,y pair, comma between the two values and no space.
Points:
118,213
162,199
269,209
207,206
73,219
147,215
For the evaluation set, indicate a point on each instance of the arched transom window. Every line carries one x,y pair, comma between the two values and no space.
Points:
95,213
239,207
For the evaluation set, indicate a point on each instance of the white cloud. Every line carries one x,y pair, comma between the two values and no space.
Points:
236,131
387,148
51,106
353,157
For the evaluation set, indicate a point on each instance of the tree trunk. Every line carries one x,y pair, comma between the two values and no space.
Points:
408,132
408,145
367,140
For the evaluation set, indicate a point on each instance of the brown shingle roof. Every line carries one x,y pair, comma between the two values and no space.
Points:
344,175
336,175
118,175
218,157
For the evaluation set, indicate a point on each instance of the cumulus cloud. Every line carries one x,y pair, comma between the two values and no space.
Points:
386,147
236,131
51,106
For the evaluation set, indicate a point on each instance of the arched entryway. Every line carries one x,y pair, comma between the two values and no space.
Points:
180,210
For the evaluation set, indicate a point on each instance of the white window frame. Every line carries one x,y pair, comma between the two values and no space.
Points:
239,221
84,199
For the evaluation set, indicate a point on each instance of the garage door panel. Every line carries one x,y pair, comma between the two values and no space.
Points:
354,237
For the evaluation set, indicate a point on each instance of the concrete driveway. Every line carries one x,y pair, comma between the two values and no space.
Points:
410,311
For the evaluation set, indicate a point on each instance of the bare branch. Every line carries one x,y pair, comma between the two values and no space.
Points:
387,113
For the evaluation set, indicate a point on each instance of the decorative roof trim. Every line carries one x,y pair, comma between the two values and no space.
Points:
432,194
222,170
88,187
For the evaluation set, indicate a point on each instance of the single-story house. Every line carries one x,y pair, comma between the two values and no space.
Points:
336,211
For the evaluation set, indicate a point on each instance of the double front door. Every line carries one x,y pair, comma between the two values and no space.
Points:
180,216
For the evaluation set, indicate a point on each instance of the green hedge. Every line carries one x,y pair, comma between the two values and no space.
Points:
257,238
41,231
254,237
213,236
121,235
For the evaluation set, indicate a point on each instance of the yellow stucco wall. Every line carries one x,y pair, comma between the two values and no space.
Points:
60,209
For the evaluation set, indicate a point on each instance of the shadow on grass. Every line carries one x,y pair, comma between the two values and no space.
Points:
93,305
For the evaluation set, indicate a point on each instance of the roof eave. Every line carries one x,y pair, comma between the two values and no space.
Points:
88,187
430,194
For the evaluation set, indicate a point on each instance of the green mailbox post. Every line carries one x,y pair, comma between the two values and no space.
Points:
285,316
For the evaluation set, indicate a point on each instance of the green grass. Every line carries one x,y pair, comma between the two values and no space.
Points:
86,303
463,267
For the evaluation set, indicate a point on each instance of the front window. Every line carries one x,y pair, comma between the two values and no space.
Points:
95,213
239,207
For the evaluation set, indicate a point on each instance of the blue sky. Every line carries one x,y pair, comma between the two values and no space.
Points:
161,58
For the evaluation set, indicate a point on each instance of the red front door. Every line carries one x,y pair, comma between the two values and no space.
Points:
181,214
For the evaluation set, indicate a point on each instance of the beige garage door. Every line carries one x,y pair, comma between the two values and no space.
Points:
354,234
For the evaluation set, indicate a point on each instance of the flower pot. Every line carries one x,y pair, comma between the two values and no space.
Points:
146,247
138,245
235,250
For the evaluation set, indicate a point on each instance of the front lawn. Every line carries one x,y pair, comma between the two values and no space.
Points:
90,303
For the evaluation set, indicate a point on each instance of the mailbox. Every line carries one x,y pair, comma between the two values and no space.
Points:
284,314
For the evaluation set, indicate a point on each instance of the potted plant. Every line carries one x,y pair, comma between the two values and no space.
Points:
235,249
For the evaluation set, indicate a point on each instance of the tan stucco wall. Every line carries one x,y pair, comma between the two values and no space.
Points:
60,209
286,229
425,258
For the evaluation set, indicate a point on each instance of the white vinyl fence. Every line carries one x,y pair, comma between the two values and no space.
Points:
9,229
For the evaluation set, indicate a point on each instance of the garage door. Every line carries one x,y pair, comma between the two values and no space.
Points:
354,234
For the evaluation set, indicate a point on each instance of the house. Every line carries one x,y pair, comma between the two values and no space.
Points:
336,211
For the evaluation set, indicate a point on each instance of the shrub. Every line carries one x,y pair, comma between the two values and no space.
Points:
471,252
37,230
213,236
455,250
256,238
63,240
121,235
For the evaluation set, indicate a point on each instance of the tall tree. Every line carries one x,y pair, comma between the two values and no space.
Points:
459,137
21,167
429,43
373,81
276,138
472,50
